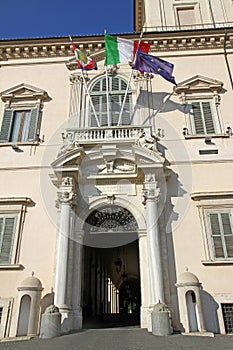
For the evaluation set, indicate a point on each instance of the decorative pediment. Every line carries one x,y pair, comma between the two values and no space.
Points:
198,83
23,92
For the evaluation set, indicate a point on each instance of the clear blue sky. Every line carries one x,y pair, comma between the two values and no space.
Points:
44,18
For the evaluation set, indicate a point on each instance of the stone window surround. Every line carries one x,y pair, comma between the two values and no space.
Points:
15,206
182,5
205,203
200,88
6,305
24,97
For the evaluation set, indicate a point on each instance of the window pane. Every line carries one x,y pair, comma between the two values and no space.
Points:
16,126
117,87
227,310
21,124
25,127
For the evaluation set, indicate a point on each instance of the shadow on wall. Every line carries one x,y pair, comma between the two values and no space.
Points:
210,307
46,301
170,217
156,102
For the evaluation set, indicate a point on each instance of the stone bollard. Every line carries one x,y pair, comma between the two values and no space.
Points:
50,323
160,320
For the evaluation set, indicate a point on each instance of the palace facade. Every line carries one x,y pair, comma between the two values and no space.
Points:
105,213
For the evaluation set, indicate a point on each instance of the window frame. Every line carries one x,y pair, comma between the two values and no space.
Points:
207,203
201,89
187,5
7,126
192,116
15,208
222,233
112,93
22,97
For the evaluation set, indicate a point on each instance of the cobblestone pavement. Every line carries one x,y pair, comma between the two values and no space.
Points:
121,339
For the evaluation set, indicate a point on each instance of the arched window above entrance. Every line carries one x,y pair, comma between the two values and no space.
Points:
111,219
98,92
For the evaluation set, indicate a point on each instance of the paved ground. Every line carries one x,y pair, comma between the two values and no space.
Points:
121,339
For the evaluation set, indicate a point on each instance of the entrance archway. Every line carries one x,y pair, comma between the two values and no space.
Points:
111,278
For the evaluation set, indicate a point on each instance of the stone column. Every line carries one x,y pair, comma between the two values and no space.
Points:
150,199
66,197
77,280
145,280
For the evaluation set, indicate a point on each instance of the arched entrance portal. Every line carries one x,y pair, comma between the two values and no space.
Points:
111,278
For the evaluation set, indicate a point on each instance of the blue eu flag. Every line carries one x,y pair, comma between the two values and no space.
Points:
151,64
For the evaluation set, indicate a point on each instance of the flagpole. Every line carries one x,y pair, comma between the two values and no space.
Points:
107,91
87,91
129,80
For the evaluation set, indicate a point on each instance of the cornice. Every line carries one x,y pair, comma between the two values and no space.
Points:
169,41
138,15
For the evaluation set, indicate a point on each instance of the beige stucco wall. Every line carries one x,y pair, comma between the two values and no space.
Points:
26,174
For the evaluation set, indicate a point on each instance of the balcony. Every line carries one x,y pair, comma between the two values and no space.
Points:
104,135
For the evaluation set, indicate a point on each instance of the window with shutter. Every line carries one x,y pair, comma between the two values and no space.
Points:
117,87
202,118
7,231
19,125
221,234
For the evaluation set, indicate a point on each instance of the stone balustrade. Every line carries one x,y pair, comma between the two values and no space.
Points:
104,134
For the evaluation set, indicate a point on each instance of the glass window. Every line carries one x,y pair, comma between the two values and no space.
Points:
20,128
117,88
221,234
20,125
227,310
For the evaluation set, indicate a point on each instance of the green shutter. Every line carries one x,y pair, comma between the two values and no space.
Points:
197,118
6,125
7,226
203,117
208,117
222,235
228,234
216,235
33,127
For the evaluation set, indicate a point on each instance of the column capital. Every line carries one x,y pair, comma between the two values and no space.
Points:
67,193
150,189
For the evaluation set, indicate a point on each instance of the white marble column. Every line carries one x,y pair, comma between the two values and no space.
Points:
150,199
77,280
145,279
66,197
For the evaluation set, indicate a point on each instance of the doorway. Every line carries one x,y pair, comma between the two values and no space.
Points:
111,286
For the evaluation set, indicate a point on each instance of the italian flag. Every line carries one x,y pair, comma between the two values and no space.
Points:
118,50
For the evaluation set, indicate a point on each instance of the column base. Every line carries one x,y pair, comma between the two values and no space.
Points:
77,318
149,319
71,319
66,320
144,317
